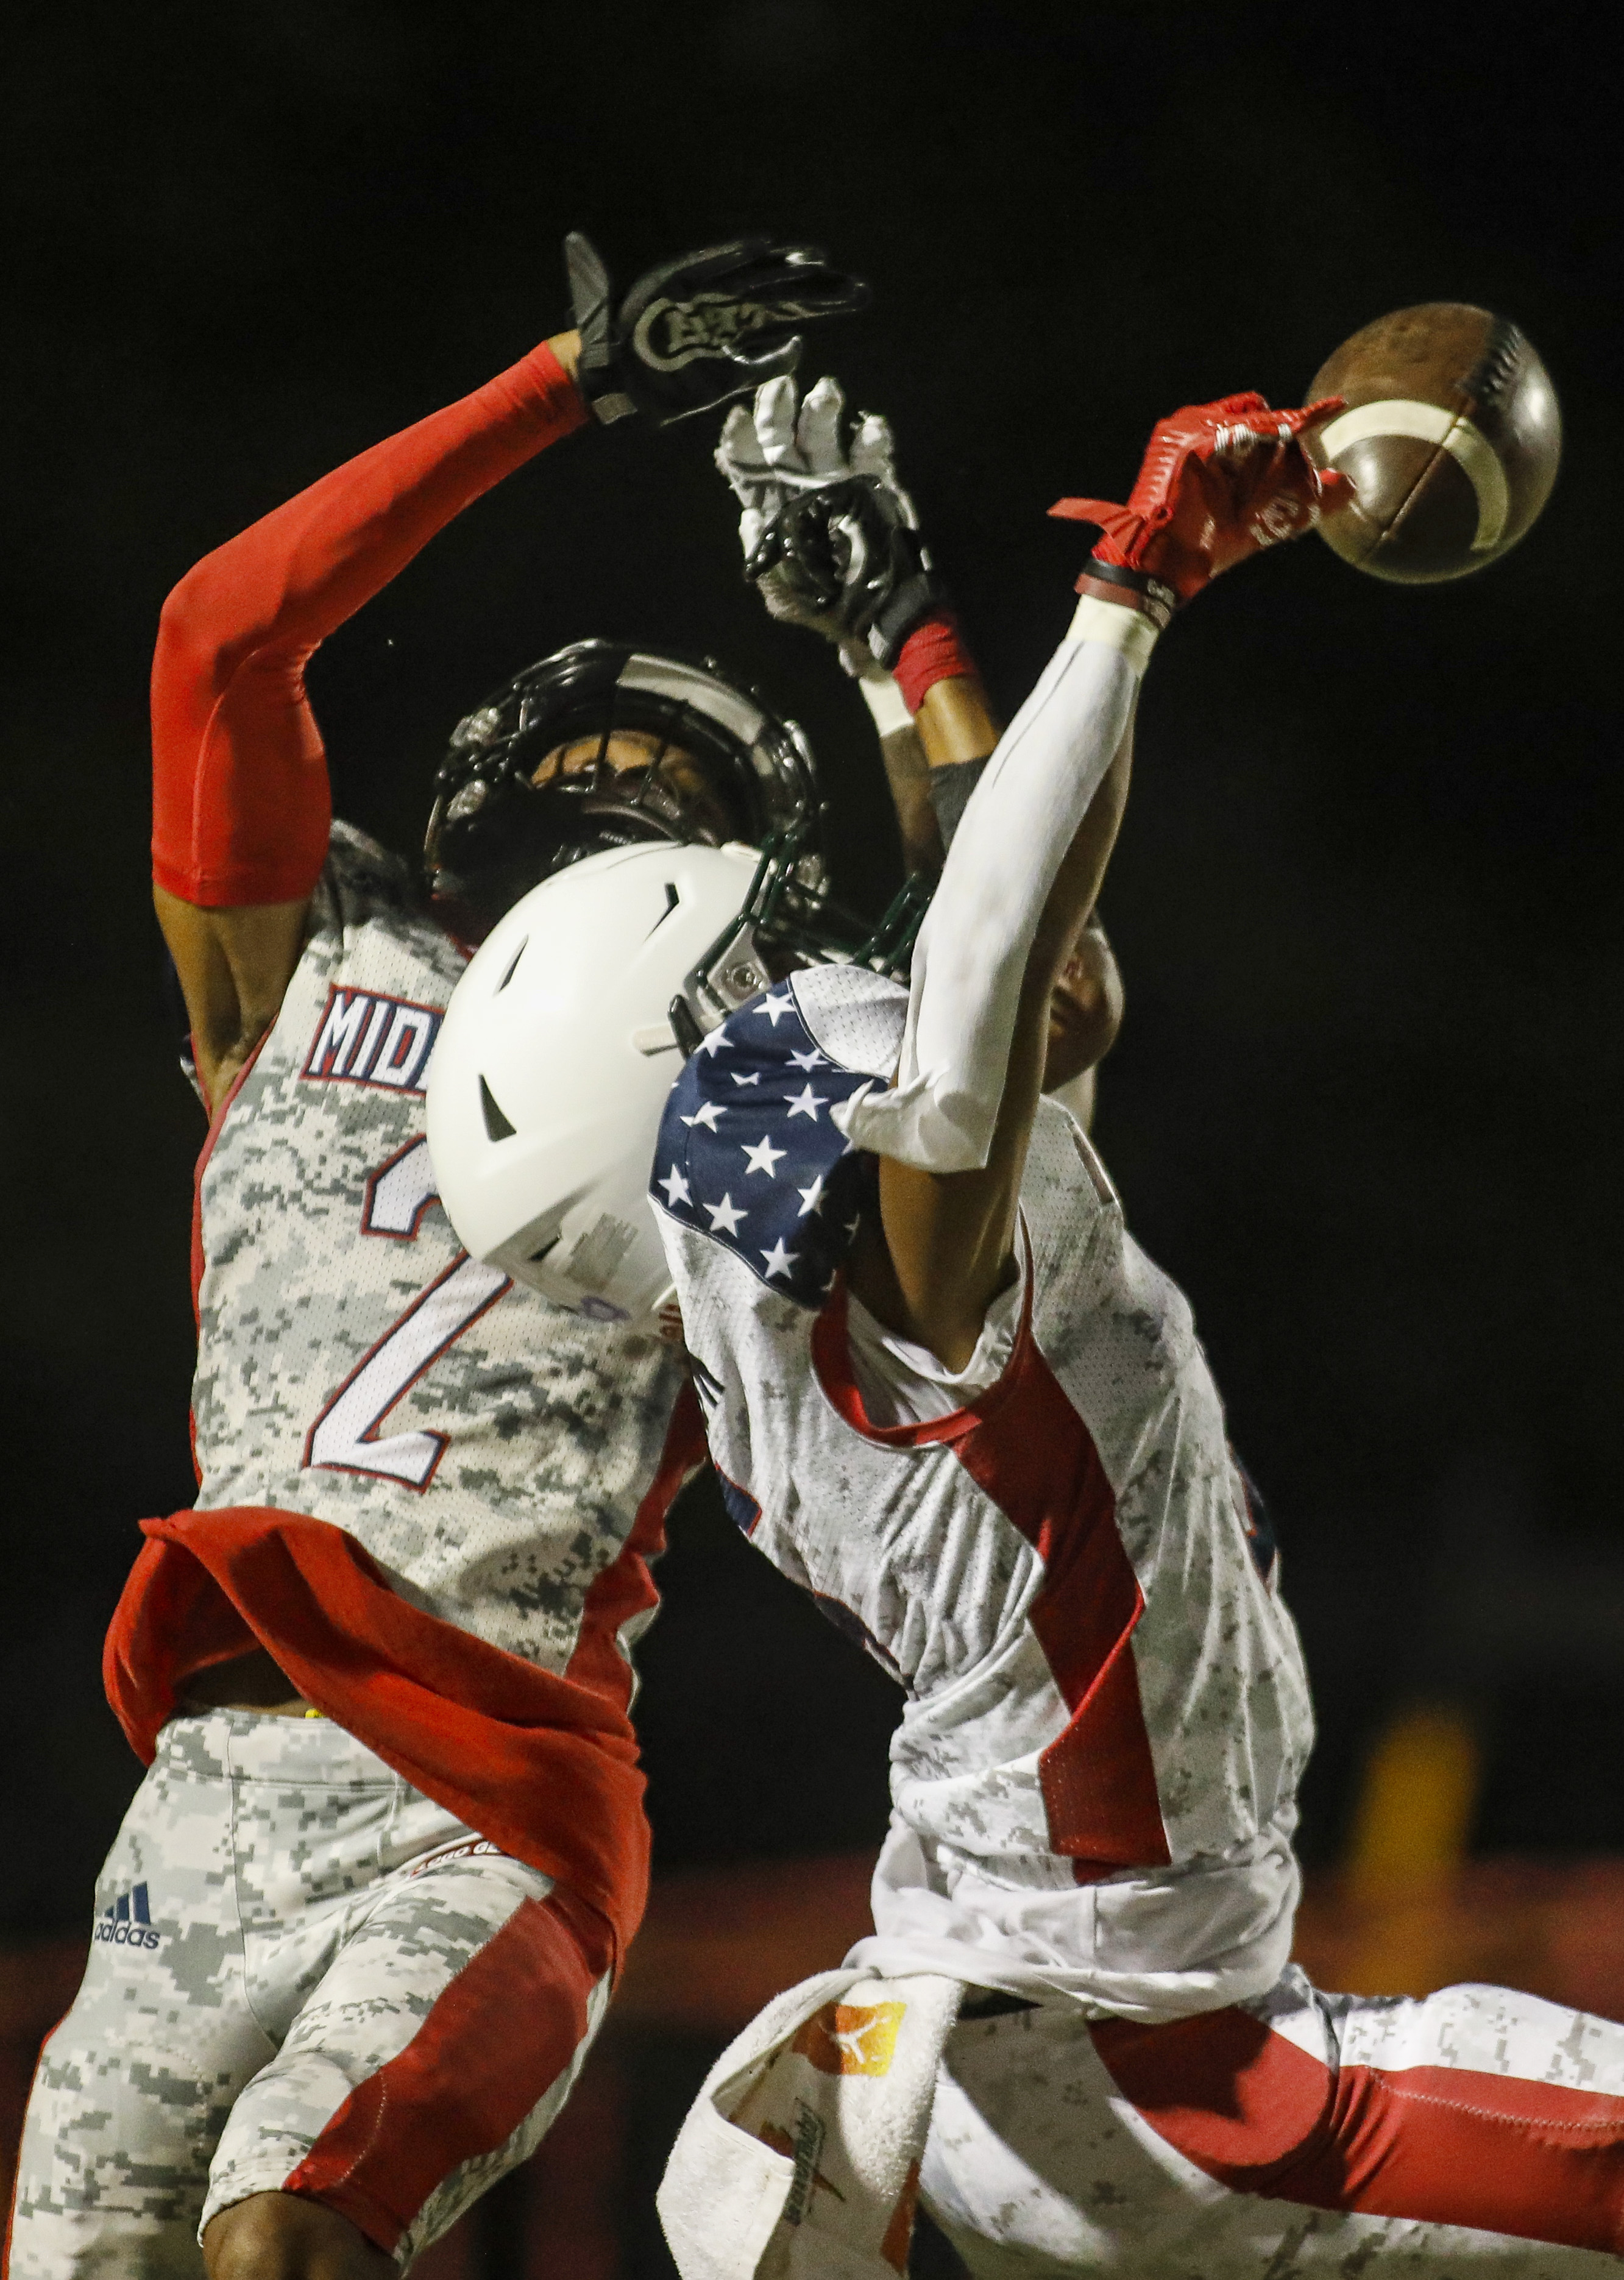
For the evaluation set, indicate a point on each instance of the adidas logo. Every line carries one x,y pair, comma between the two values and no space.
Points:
129,1922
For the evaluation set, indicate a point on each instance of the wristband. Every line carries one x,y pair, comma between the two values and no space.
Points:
915,599
934,651
1154,595
885,702
1133,632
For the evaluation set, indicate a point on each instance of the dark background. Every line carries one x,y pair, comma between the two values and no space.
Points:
1366,1105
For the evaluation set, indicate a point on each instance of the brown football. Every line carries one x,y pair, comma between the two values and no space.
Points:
1450,440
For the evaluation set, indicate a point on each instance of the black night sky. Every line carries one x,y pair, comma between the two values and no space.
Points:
1368,1105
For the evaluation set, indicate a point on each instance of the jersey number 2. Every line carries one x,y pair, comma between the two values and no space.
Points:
345,1439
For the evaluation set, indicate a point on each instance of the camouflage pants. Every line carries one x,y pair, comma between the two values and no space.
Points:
305,1976
1476,2109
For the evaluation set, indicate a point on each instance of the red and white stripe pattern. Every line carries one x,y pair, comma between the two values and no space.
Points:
1447,2133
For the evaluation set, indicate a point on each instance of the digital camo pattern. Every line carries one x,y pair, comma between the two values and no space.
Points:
305,1908
920,1559
488,1448
1036,2165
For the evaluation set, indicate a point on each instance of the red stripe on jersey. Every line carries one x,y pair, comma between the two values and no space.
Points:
1439,2144
493,2045
626,1589
1025,1447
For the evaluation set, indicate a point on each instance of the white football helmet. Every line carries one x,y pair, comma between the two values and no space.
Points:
553,1064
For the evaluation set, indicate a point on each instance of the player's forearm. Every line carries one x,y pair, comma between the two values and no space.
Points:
986,922
293,576
955,722
239,773
948,1236
943,743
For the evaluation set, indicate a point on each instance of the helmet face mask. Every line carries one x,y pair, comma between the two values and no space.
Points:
787,921
719,767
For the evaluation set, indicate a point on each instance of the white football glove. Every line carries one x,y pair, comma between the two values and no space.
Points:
827,529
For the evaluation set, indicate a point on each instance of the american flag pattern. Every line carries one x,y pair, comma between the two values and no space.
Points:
749,1156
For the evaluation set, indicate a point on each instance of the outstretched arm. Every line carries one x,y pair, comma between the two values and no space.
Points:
241,802
831,542
1219,482
241,805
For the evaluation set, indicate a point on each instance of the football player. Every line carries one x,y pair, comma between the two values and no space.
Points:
362,1921
949,1397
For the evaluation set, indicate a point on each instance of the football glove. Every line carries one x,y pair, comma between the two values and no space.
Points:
831,539
678,342
1220,481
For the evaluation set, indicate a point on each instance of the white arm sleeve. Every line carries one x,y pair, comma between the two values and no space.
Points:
971,957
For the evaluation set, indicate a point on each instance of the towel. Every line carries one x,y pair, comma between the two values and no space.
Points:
800,2157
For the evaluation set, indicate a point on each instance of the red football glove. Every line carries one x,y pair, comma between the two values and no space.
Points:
1220,481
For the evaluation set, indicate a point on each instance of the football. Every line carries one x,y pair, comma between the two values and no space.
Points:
1450,439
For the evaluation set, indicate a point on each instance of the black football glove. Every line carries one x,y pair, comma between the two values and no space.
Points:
676,343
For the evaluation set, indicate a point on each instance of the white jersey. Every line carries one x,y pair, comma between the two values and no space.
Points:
488,1449
1107,1712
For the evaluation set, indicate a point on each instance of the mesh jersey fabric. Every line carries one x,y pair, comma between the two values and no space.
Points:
1107,1712
902,1383
432,1494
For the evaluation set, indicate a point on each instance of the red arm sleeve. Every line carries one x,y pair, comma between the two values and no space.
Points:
240,801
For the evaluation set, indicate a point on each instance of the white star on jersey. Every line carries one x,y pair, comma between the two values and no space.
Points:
806,1102
811,1198
778,1259
718,1042
762,1157
811,1060
677,1189
726,1218
772,1009
708,1113
754,1078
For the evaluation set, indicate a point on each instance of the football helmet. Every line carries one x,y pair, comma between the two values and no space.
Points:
644,746
562,1040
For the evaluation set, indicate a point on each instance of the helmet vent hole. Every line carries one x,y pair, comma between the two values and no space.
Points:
673,901
496,1124
513,966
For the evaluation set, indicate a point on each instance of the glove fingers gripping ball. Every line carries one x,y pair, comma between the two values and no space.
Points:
1219,482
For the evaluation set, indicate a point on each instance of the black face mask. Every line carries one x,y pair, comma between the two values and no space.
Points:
497,836
723,767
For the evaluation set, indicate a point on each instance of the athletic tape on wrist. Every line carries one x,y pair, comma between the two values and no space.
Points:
1128,630
932,652
885,702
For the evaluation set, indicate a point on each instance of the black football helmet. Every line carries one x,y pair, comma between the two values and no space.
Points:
721,766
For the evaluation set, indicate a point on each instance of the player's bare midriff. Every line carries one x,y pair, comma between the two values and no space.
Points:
247,1682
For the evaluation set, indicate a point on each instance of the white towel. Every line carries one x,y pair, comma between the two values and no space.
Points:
800,2157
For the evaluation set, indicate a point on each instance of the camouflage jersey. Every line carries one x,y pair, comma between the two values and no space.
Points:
488,1449
1107,1712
